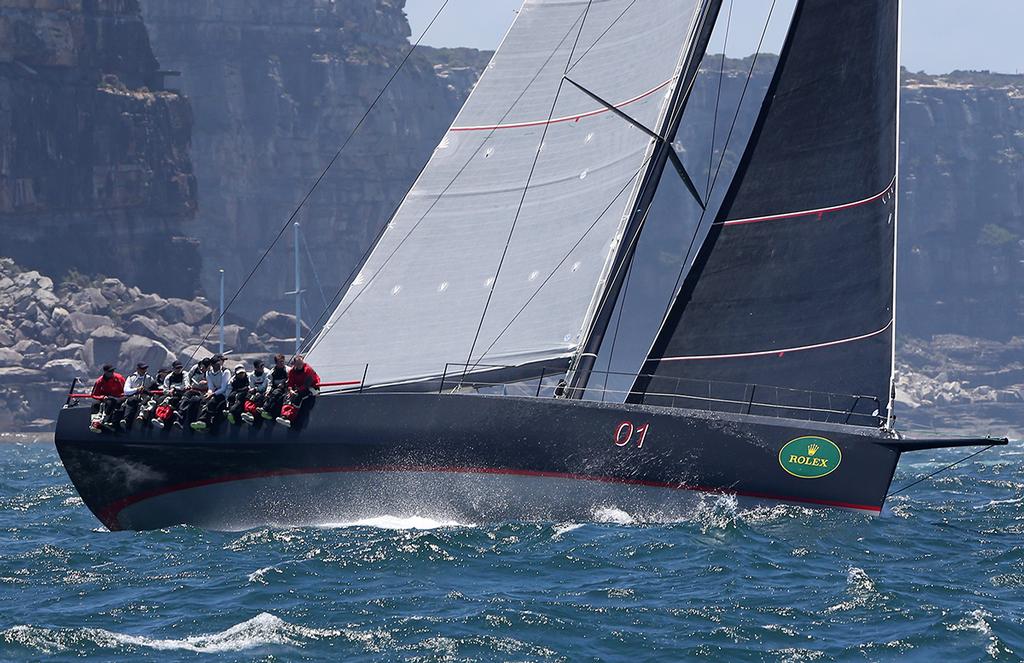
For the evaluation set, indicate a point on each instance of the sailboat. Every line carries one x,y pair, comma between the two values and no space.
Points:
475,327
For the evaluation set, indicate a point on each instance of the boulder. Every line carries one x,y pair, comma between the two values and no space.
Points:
47,335
85,324
173,336
189,312
139,348
58,315
95,298
235,338
278,325
109,333
45,299
192,353
104,348
143,303
65,369
33,279
28,347
10,357
69,351
20,375
113,289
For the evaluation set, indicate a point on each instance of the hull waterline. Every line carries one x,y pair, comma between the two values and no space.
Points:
467,458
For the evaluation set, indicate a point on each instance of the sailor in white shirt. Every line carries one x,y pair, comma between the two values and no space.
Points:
136,389
218,388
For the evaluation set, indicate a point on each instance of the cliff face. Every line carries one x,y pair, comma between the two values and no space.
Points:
962,197
95,173
277,85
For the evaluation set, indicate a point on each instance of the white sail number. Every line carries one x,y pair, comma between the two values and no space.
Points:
626,432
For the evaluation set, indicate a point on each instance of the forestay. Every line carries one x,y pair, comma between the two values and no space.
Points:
420,297
794,284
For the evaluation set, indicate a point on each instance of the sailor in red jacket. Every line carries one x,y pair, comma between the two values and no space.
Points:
108,390
303,388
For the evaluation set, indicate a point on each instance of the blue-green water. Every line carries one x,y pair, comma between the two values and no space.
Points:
941,578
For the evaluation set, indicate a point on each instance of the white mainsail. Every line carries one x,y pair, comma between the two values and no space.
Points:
424,298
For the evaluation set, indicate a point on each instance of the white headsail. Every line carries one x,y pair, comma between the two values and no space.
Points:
487,198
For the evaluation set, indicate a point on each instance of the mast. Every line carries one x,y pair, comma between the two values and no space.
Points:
690,64
890,415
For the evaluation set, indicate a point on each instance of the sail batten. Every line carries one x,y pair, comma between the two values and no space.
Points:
425,288
793,285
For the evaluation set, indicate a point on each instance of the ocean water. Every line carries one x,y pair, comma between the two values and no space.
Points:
940,578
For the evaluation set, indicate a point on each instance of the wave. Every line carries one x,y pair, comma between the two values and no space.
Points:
263,629
609,514
398,523
564,528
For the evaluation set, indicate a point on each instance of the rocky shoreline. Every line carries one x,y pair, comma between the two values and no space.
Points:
52,333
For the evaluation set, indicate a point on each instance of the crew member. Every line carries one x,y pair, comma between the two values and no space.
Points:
259,385
240,384
192,400
303,388
218,388
278,390
136,390
107,392
175,384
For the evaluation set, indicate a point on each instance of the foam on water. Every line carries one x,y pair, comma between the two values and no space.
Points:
263,629
612,515
398,523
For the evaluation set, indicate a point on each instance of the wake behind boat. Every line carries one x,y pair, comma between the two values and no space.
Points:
480,317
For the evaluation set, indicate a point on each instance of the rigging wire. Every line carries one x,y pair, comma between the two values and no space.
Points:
318,180
330,325
725,148
568,254
312,266
526,188
618,324
718,101
600,37
939,471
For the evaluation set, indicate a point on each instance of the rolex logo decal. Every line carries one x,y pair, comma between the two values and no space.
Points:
810,457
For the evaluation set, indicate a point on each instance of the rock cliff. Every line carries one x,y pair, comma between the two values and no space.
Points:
95,173
277,85
962,205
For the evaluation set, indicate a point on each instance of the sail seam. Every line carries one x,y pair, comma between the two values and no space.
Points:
567,118
811,212
782,351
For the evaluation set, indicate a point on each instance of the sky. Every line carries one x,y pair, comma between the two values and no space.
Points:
938,35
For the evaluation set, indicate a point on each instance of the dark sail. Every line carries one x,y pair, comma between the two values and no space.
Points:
793,286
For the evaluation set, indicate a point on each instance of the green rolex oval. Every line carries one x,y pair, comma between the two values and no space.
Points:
810,457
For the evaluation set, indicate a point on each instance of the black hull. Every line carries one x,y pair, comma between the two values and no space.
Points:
459,457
